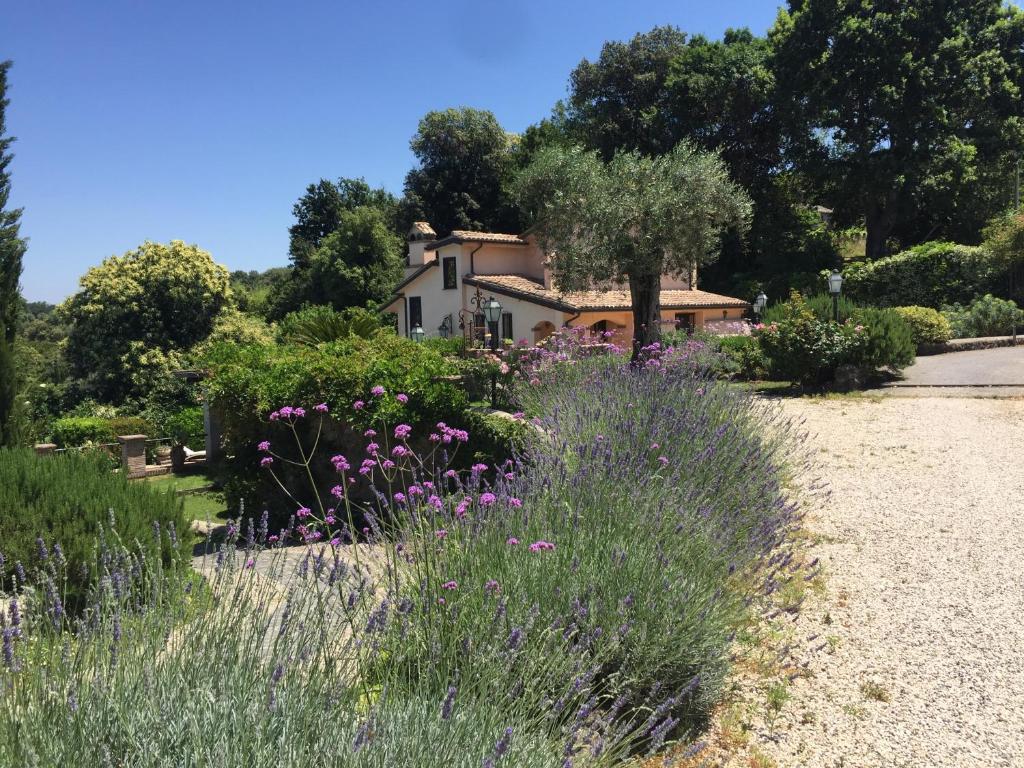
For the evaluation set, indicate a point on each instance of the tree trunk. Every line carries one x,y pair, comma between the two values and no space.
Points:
880,218
645,292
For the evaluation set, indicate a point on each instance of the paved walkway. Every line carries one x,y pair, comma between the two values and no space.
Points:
916,653
997,372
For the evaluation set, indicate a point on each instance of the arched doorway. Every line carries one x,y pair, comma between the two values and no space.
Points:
542,330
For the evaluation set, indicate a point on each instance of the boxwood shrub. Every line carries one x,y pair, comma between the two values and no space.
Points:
927,325
66,500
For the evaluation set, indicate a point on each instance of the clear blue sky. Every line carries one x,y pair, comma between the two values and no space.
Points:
204,121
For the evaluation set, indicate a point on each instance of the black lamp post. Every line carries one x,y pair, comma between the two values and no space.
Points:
835,287
492,313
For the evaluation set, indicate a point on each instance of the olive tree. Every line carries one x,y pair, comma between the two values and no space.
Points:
631,220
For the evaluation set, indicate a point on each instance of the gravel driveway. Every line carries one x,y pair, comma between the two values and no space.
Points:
923,546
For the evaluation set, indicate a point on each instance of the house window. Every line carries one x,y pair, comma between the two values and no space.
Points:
600,326
415,312
506,325
448,268
685,321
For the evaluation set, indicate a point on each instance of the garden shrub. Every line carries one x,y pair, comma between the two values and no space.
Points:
986,316
887,340
65,501
320,324
802,348
248,382
927,325
76,431
820,304
186,427
747,356
928,275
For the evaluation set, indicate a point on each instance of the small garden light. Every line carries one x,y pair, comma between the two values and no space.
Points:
835,287
417,333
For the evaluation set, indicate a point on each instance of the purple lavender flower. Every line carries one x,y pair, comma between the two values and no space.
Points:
266,461
402,398
358,405
377,391
450,585
402,431
321,408
449,703
264,446
486,499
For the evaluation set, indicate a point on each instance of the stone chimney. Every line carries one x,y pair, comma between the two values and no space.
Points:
420,236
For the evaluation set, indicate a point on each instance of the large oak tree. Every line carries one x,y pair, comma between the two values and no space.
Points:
888,100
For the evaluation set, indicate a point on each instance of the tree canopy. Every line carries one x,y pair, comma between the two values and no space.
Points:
632,219
889,103
465,163
134,313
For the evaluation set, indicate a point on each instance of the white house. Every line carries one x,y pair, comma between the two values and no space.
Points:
447,280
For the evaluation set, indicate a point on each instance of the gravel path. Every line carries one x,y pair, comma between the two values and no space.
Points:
923,546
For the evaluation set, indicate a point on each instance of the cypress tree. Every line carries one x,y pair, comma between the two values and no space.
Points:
12,249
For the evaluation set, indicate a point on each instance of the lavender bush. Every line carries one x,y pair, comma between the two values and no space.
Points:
572,607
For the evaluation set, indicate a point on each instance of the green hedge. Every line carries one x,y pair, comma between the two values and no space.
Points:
66,499
76,431
249,382
927,275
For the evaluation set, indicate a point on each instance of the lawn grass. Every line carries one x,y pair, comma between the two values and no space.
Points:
199,505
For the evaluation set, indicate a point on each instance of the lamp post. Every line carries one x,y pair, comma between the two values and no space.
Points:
835,287
417,333
492,313
759,304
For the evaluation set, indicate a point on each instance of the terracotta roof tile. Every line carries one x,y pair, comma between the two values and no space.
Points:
423,228
528,289
464,236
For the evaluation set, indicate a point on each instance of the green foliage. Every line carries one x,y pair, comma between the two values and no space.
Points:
632,219
186,427
357,263
891,111
249,382
320,324
465,164
136,314
235,327
1004,239
12,251
746,355
801,347
320,212
928,275
927,325
986,316
253,291
494,439
820,304
889,340
75,431
69,499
